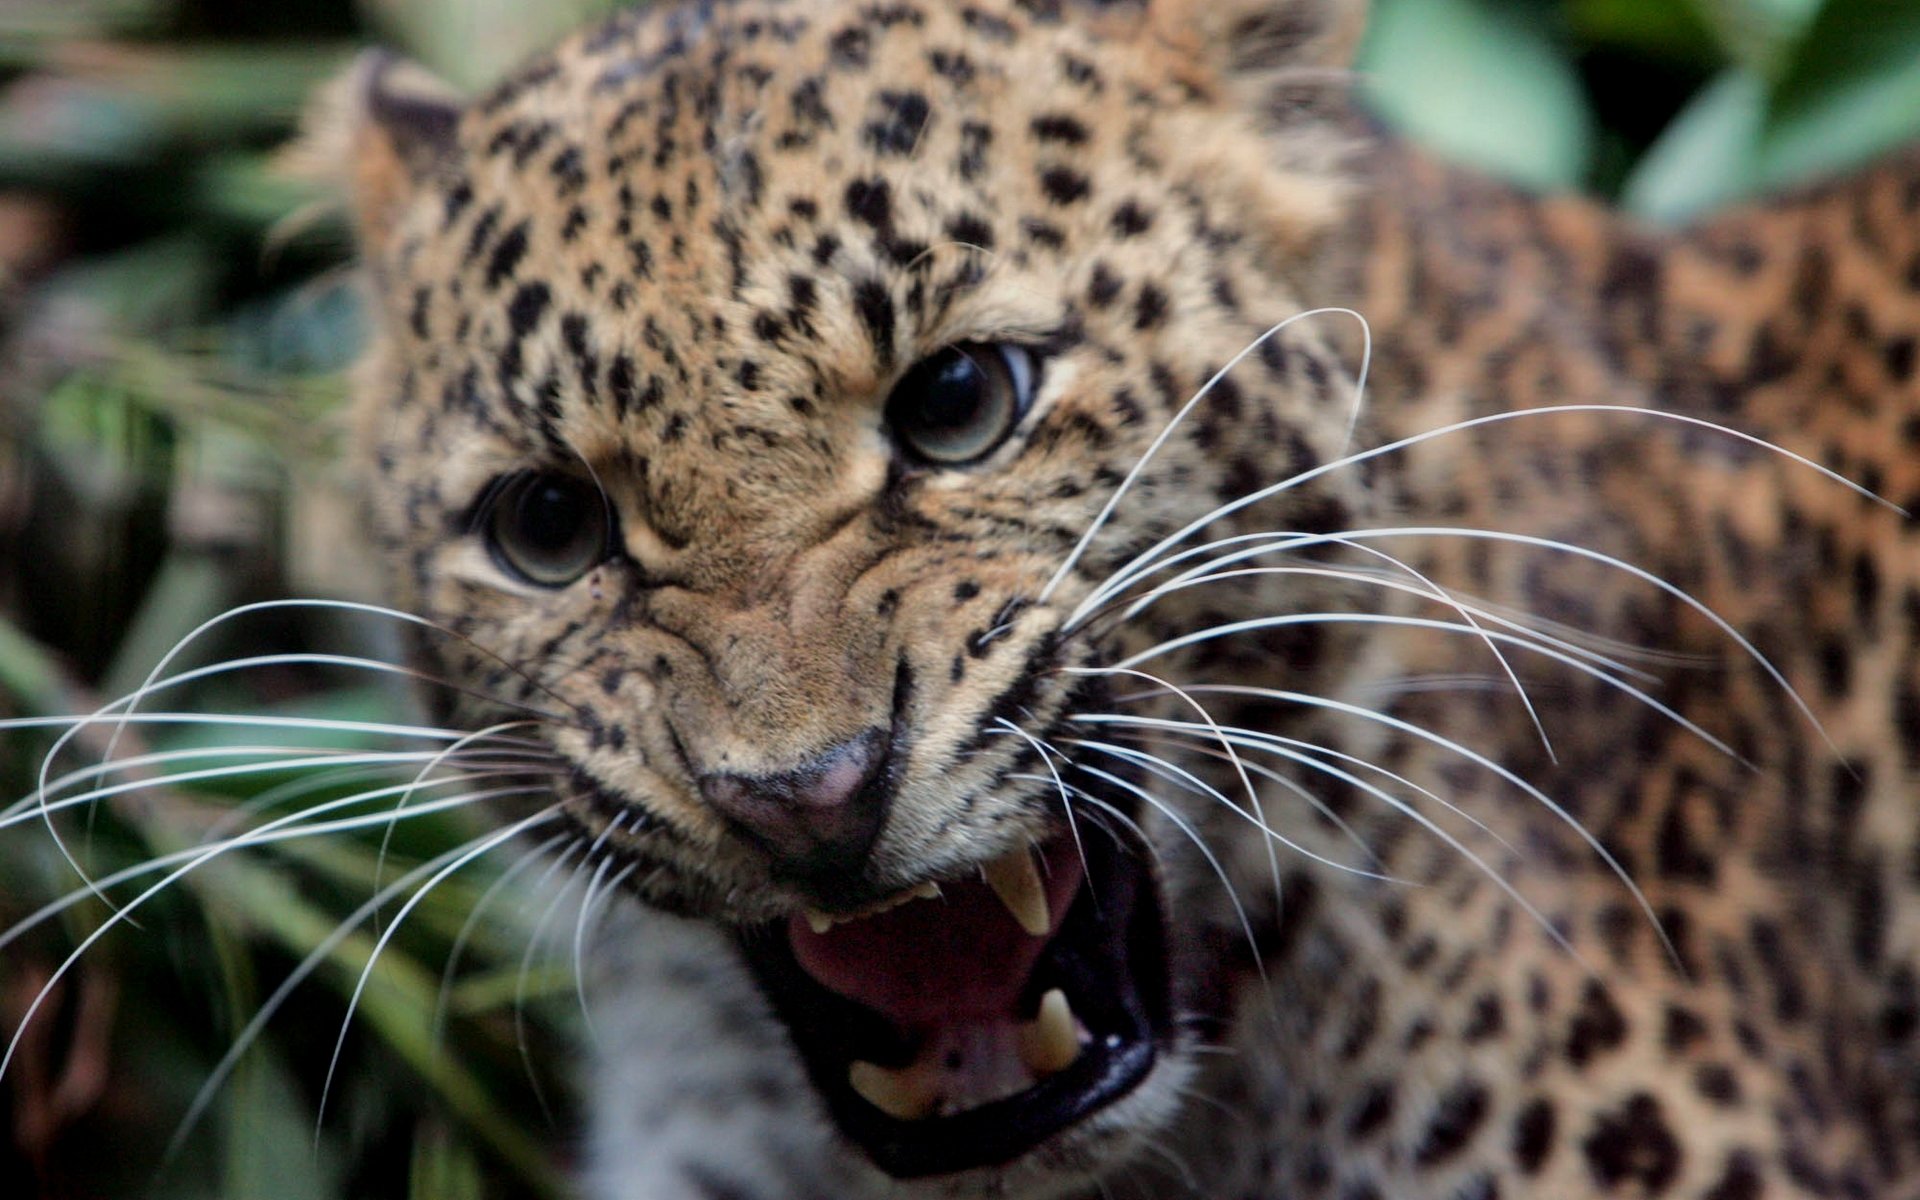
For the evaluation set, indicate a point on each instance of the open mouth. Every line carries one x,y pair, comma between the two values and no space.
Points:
961,1027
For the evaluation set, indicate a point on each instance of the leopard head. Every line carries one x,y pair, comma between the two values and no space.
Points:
786,406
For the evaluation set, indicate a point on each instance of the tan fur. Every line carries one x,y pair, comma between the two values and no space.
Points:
660,259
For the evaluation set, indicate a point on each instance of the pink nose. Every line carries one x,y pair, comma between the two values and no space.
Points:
819,818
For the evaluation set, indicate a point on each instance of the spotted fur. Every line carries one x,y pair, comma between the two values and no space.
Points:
690,252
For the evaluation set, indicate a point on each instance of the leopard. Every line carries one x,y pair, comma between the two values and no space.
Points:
1122,632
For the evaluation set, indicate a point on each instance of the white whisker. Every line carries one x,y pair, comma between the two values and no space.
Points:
281,829
1193,835
467,854
1427,735
1349,460
386,839
1299,752
1336,618
465,933
1424,588
1066,804
304,760
119,913
1192,783
154,682
1206,389
1719,622
536,936
1198,743
580,919
250,1033
1452,842
1246,782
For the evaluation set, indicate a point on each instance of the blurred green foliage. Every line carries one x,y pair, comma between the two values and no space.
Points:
171,350
1670,107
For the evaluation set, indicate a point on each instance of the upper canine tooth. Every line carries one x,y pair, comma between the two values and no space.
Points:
907,1095
1015,879
1050,1043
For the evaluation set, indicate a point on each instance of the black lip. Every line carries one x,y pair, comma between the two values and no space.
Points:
1110,955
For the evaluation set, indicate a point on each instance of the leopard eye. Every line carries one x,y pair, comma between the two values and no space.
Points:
956,405
547,528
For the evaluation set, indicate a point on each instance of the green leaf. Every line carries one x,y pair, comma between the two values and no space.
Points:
1852,91
1759,35
1481,85
29,675
1706,156
396,1006
443,1168
1653,29
470,43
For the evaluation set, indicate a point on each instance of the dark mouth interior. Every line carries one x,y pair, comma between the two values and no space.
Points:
911,989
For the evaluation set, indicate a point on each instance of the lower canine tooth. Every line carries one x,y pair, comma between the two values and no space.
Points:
818,921
1050,1043
1016,881
906,1095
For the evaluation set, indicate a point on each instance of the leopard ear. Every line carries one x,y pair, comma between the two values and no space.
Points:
1242,41
383,129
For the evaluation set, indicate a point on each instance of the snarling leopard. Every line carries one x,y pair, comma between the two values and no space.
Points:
1124,633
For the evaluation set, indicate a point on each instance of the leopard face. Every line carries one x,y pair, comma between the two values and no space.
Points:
751,383
837,432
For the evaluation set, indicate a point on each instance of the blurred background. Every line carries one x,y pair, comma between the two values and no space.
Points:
173,332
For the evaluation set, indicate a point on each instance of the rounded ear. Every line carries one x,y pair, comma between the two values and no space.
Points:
384,128
1240,40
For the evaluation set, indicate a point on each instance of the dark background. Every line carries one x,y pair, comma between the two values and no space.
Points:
172,338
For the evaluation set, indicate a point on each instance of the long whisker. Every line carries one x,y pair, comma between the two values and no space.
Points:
154,682
1262,544
1427,823
1166,431
1194,784
202,857
1336,618
1204,745
534,938
1349,460
1246,783
581,919
193,855
73,726
1066,805
467,855
1719,622
1424,587
250,1033
1300,752
579,947
386,839
302,761
1179,822
1551,805
465,933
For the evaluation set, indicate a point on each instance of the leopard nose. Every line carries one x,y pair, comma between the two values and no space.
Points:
819,818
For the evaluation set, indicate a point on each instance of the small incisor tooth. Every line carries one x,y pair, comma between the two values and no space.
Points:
1015,879
1050,1042
907,1095
821,922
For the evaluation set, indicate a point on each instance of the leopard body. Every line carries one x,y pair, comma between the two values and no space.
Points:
691,252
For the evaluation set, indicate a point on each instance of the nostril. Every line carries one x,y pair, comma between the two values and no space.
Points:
840,773
821,815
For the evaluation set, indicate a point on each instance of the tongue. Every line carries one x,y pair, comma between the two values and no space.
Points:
961,958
